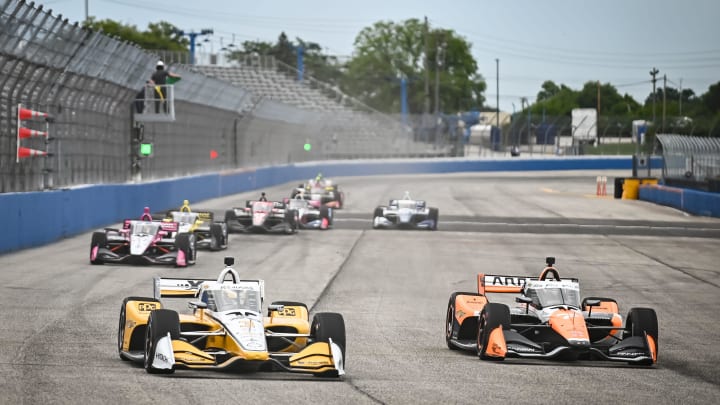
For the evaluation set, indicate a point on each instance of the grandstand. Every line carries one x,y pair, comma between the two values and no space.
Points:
346,127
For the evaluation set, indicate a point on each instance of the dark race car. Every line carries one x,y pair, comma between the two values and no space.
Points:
406,213
550,321
209,234
144,241
262,216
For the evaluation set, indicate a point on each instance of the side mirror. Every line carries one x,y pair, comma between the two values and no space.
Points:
590,304
524,300
197,305
275,307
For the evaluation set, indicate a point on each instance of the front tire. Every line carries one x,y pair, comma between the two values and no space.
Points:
492,316
217,237
434,215
160,323
186,243
329,325
641,321
99,239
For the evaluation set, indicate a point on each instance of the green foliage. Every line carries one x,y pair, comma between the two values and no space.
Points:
159,36
388,51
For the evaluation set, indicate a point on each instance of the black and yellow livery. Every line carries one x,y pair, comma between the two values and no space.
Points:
226,330
209,233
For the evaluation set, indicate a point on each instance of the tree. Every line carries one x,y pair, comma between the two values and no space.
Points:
387,52
159,36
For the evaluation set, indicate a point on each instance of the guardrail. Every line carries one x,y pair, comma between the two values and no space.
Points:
36,218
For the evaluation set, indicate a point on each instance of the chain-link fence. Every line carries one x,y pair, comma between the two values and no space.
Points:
89,82
691,161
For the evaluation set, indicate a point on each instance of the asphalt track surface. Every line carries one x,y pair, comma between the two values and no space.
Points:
59,313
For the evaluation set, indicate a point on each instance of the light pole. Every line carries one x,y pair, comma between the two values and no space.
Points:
497,93
193,35
440,49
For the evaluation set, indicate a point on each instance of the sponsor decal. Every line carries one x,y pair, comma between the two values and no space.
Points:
287,312
521,349
147,306
188,284
162,357
509,281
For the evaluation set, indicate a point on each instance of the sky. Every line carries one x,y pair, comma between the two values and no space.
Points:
569,42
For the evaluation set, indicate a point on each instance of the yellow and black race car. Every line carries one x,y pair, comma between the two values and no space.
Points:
209,234
226,330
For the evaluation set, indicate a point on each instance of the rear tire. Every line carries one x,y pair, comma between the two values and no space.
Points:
160,323
492,316
329,325
99,239
451,323
123,320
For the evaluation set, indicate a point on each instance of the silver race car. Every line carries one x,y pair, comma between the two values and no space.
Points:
406,213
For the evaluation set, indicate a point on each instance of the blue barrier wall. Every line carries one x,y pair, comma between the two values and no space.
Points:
34,219
692,201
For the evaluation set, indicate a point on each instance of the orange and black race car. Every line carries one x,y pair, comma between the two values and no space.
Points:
549,322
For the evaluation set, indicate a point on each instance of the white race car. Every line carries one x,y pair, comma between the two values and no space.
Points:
406,213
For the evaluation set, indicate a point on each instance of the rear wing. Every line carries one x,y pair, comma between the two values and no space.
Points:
494,283
166,287
165,226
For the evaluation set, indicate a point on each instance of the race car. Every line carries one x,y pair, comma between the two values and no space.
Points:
309,215
320,191
227,331
262,216
549,322
406,213
209,234
144,241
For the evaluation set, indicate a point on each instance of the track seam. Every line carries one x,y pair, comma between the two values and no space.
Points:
322,295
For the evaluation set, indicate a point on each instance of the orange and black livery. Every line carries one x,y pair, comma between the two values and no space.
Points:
550,321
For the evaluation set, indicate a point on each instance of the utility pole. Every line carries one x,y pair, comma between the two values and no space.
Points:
497,92
664,100
654,73
680,99
427,68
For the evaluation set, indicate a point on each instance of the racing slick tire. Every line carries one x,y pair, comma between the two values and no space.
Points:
433,215
492,316
329,325
231,220
451,323
98,239
292,221
123,320
641,321
377,213
326,212
160,322
218,237
187,243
